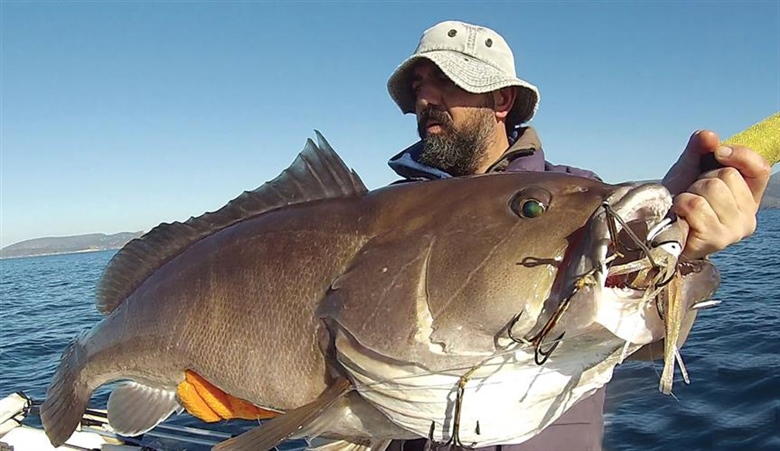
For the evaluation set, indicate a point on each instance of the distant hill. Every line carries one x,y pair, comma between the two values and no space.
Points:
772,195
68,244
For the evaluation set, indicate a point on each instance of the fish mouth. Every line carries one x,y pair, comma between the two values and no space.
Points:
635,250
631,230
627,252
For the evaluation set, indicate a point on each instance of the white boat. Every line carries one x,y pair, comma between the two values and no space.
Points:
20,430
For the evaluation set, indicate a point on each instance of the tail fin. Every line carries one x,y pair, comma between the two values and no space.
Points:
67,396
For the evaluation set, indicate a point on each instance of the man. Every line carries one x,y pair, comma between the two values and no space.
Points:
471,107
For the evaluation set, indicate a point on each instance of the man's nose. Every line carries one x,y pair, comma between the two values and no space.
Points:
427,94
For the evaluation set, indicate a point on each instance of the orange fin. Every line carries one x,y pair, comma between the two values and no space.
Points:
210,404
194,403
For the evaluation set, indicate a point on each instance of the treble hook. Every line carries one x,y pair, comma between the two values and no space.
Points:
546,354
454,439
511,334
540,355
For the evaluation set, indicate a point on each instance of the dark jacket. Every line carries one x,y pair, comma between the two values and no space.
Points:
524,154
582,427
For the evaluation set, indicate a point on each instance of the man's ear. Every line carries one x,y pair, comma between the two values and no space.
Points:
504,100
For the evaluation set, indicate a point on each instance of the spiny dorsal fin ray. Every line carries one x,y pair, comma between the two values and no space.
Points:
317,173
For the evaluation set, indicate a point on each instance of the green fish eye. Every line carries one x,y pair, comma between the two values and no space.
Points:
530,202
532,208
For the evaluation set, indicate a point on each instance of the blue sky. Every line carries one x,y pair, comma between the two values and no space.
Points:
117,116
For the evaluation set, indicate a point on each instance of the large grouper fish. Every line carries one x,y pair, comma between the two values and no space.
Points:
472,311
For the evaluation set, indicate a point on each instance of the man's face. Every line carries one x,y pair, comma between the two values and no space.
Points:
456,126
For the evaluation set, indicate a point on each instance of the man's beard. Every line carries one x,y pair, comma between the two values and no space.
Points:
458,150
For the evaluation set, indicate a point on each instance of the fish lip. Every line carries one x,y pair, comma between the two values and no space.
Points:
584,281
646,202
631,199
649,203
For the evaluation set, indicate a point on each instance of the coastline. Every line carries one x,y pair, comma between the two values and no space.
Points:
48,254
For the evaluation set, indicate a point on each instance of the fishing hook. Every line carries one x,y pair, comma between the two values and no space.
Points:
454,439
511,334
662,271
611,226
429,444
546,354
540,355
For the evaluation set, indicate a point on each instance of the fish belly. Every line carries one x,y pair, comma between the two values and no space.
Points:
506,399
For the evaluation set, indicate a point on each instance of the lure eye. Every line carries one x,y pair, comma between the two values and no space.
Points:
531,202
532,208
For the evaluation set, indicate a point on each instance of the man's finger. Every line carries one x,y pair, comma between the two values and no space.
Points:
698,213
753,167
686,170
703,142
719,197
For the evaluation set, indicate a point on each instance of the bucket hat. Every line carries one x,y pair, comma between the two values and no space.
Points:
475,58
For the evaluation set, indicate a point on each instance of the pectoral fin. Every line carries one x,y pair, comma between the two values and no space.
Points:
135,408
272,433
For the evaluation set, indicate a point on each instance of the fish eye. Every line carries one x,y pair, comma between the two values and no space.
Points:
531,203
532,208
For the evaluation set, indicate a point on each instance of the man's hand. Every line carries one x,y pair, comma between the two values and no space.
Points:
720,206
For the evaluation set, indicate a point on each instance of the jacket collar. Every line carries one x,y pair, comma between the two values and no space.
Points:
407,165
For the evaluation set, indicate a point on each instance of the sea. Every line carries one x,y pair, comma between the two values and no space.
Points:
732,354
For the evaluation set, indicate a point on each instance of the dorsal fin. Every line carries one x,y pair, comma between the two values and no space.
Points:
317,173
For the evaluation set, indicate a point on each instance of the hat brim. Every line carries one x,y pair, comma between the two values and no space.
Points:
469,74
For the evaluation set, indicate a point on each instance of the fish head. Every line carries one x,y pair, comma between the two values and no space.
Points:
499,250
454,261
629,269
456,265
